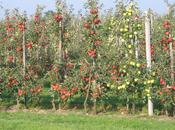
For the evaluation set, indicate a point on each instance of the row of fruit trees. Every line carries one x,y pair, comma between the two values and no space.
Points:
94,55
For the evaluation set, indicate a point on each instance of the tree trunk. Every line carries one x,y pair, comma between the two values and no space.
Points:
85,101
95,106
172,63
53,104
24,63
133,107
25,101
59,107
127,105
17,103
87,95
60,43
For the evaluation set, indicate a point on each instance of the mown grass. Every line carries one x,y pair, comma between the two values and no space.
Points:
54,121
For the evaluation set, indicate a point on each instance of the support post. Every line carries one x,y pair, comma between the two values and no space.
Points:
148,56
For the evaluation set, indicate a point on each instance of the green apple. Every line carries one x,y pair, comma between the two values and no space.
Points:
11,40
17,34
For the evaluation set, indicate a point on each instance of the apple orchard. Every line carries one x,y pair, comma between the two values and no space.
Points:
94,61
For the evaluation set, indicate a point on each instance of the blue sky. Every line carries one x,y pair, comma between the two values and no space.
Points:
30,5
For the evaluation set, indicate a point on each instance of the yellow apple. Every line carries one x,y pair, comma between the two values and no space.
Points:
130,11
112,86
131,63
135,33
138,65
138,25
121,30
127,83
147,90
136,80
126,30
108,85
129,14
131,4
130,51
122,40
139,72
152,81
148,95
148,81
130,36
123,86
129,46
127,20
17,34
126,26
124,14
153,73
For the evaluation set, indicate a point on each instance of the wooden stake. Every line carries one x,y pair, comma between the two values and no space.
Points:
172,63
24,53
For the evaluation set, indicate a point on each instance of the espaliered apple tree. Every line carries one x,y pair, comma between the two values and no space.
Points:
131,66
61,69
57,74
14,71
166,78
92,42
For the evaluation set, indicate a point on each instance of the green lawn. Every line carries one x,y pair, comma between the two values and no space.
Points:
33,121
